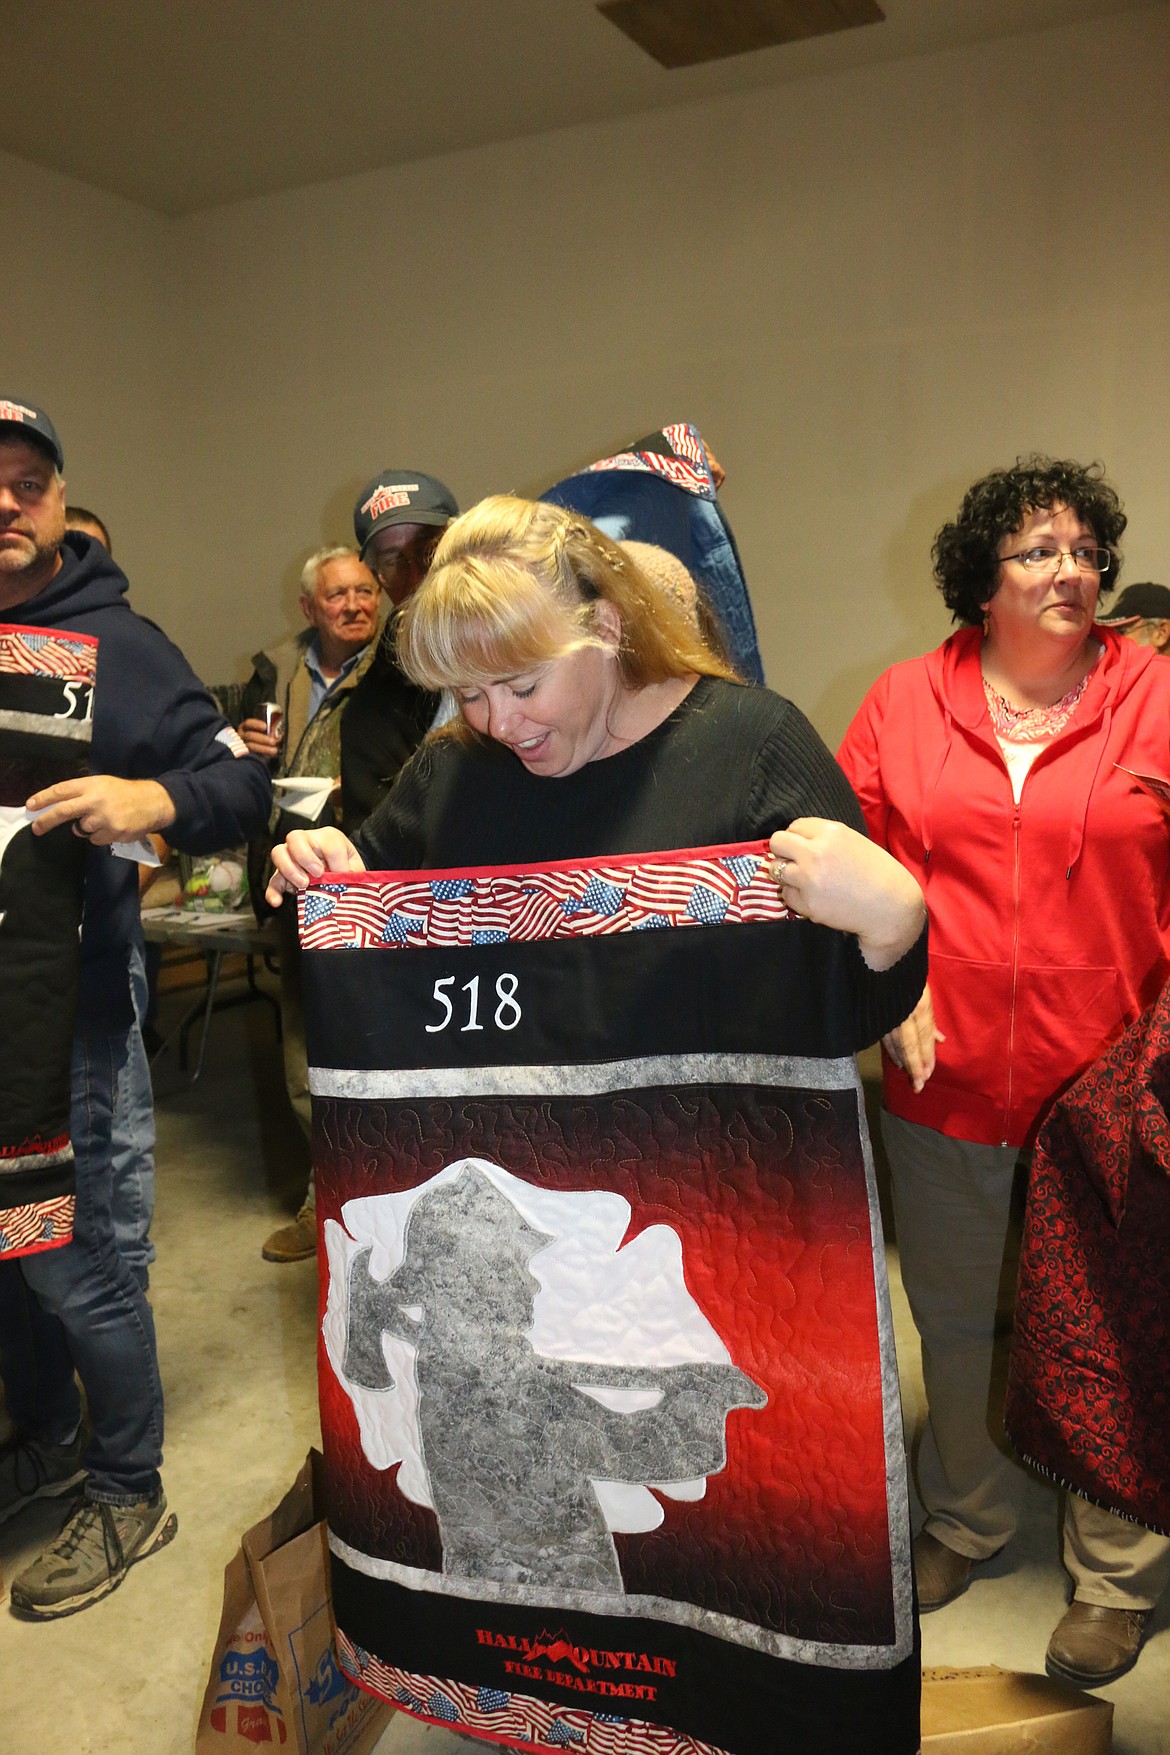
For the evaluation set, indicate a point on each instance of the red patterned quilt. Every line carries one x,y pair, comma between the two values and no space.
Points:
1088,1388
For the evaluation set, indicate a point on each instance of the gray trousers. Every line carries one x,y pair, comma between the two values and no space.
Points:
952,1210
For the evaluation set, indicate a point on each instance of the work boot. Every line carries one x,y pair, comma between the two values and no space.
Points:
92,1555
942,1574
295,1241
30,1469
1093,1645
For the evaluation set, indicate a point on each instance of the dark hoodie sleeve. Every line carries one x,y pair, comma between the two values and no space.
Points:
156,721
221,798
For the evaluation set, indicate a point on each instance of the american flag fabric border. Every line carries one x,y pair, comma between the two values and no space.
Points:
41,1224
674,469
517,1720
49,653
496,905
686,442
687,469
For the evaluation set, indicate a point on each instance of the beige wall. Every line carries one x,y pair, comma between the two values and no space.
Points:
85,333
866,290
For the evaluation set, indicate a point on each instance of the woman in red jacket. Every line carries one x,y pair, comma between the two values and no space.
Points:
1000,771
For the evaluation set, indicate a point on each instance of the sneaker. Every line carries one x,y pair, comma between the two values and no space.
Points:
296,1241
1093,1646
92,1555
31,1470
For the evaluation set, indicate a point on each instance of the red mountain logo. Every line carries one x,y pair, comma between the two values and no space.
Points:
557,1651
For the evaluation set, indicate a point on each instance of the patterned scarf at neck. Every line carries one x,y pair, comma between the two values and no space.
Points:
1032,724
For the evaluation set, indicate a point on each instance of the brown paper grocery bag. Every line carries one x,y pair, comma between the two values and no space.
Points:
274,1674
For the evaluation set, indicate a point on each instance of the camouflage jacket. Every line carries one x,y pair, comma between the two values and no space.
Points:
312,747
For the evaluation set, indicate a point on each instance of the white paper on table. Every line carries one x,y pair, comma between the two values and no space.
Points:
198,921
303,796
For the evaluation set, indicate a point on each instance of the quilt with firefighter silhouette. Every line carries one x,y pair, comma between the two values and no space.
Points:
609,1404
46,722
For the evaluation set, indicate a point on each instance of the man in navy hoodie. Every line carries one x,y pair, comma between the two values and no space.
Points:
163,760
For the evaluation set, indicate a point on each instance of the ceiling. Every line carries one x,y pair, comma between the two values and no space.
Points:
192,103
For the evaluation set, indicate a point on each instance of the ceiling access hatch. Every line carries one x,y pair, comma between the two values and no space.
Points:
684,33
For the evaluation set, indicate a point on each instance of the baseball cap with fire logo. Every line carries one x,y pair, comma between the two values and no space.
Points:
34,425
401,496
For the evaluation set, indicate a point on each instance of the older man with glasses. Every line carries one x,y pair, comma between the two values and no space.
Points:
293,709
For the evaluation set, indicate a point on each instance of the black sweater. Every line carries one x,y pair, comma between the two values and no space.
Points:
730,764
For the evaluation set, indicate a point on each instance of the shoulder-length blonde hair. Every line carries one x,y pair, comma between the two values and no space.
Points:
514,583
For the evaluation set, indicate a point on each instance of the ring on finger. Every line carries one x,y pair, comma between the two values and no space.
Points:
781,868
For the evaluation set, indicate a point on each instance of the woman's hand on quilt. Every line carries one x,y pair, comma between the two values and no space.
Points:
829,873
911,1045
307,855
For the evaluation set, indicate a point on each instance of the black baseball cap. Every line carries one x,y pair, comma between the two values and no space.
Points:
1138,603
401,496
34,424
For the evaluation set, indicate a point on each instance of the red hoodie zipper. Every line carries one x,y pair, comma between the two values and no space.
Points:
1015,963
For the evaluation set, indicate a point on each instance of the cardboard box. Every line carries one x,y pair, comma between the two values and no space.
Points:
1005,1712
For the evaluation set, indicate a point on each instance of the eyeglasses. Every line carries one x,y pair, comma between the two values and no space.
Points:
400,561
1086,559
415,557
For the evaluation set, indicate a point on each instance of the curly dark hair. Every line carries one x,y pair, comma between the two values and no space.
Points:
966,553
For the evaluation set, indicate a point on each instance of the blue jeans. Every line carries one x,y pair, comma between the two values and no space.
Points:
83,1307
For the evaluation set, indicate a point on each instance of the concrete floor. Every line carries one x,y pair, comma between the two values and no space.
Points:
237,1339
